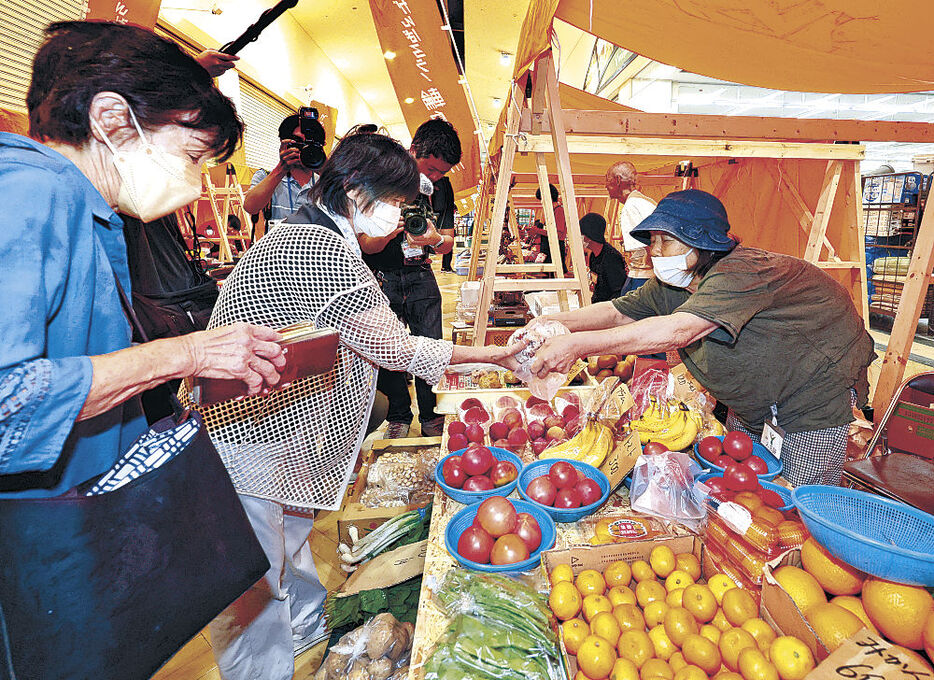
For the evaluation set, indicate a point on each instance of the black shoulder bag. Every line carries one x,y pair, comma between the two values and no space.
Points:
110,585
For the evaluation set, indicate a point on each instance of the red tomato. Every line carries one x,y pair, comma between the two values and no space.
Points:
737,445
477,460
456,427
528,530
562,475
497,516
456,442
716,485
652,448
738,477
541,490
508,549
723,461
771,498
757,465
452,473
475,545
567,499
588,490
710,448
478,483
503,473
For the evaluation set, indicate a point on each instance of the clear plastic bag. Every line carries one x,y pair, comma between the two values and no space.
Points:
401,478
662,486
543,388
648,385
377,650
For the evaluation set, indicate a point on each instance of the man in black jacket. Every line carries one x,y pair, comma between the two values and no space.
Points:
605,260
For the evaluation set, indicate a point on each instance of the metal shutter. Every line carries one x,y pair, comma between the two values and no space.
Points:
22,23
261,115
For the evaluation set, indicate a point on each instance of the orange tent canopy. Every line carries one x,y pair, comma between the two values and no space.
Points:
837,46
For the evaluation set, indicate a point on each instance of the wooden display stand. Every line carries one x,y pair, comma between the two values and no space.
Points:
224,195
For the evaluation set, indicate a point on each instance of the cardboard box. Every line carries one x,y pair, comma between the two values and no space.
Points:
364,518
387,570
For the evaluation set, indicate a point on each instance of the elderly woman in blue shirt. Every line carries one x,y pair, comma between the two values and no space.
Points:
119,120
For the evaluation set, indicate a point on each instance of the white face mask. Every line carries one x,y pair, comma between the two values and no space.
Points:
382,220
673,270
153,182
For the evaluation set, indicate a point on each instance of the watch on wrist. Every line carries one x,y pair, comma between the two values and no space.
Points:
439,243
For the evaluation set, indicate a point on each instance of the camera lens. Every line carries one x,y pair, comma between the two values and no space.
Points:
312,156
414,221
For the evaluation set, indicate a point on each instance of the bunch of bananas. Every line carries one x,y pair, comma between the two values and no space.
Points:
591,445
672,424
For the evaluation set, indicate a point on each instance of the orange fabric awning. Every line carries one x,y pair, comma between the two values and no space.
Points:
837,46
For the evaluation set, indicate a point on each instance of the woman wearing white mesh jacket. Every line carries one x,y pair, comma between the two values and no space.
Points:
294,450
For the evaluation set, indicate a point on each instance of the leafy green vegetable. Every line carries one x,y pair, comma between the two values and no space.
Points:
400,600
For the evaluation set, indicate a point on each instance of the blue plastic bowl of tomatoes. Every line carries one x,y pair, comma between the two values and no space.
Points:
784,495
551,487
737,447
481,462
490,537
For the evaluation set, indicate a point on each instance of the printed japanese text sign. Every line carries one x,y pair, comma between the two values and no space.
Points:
425,76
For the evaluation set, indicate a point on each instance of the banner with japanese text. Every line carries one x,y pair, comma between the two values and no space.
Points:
137,12
425,77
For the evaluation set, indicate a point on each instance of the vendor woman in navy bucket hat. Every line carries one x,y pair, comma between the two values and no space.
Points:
772,336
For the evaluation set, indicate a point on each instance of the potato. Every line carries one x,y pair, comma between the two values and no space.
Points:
606,361
381,631
400,643
359,670
380,669
336,664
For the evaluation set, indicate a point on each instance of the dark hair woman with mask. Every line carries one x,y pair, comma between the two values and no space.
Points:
772,336
124,120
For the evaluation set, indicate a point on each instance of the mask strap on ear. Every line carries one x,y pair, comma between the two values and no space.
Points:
103,134
136,124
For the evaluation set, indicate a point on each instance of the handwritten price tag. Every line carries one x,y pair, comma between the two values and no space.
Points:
866,656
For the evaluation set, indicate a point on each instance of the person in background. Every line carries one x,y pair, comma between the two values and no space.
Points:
771,336
293,451
283,188
400,263
605,261
538,227
622,183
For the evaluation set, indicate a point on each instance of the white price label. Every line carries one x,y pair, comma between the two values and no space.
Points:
772,438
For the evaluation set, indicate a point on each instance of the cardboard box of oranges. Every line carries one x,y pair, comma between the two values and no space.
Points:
659,608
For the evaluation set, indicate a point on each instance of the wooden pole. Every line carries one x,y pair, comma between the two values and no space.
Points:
858,277
822,212
906,318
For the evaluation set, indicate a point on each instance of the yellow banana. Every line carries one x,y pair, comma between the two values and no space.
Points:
573,447
682,436
601,446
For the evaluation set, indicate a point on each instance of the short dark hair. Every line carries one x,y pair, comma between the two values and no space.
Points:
706,259
363,129
288,125
375,165
552,189
437,138
162,84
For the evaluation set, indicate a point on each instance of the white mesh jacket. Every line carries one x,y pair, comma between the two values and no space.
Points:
297,446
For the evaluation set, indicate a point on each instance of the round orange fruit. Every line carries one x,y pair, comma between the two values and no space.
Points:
678,579
690,672
636,646
679,623
701,652
675,598
662,560
711,632
719,621
596,657
565,600
575,632
832,623
641,571
927,636
900,612
655,613
677,662
629,617
753,665
617,573
739,606
719,584
732,642
624,669
621,595
594,604
791,657
663,645
834,575
700,601
649,591
855,605
561,573
689,563
590,582
761,632
656,669
801,586
606,626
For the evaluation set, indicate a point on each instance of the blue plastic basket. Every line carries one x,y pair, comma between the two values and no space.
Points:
541,467
464,518
882,537
774,464
780,490
471,497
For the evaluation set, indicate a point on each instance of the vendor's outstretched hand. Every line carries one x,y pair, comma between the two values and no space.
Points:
506,356
557,354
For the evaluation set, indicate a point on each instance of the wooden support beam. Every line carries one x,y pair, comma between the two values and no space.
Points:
794,200
910,303
712,148
527,268
639,124
840,264
823,210
533,284
860,282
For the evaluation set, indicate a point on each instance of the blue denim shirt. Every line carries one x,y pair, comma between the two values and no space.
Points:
60,245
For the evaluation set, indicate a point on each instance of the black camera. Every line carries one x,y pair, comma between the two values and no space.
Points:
311,151
416,217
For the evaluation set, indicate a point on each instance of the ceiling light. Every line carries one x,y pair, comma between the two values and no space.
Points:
497,101
505,58
408,100
389,54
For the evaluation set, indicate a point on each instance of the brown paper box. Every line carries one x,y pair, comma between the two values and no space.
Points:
781,612
387,570
866,656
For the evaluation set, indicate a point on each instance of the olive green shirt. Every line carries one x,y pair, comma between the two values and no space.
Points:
787,335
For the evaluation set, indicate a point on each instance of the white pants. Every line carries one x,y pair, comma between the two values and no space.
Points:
253,638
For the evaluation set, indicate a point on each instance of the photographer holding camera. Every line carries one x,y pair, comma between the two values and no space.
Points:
301,151
400,263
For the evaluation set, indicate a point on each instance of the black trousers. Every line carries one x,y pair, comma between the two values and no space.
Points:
415,298
446,260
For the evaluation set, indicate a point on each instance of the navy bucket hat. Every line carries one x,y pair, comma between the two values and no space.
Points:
693,217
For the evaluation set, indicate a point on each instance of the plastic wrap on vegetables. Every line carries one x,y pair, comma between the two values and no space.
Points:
377,650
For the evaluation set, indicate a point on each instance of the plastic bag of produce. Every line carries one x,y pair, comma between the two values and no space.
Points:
653,385
662,486
377,650
543,388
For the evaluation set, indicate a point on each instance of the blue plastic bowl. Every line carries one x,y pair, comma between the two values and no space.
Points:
464,518
471,497
882,537
541,467
774,464
780,490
